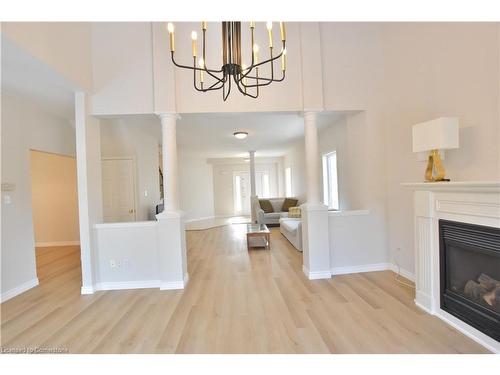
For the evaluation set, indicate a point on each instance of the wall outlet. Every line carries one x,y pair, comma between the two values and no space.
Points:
112,263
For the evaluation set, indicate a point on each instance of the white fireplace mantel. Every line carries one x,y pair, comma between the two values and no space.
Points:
475,202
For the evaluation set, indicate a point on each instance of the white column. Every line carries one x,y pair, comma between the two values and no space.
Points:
253,193
169,161
312,157
172,260
315,226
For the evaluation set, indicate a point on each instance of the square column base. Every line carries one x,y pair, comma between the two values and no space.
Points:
315,241
172,250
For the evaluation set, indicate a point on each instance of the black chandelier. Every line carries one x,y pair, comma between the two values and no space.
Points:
246,79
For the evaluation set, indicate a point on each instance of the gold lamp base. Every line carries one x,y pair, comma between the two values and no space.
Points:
435,170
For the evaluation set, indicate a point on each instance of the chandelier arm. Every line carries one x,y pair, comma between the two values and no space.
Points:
205,61
244,91
265,79
190,67
266,61
228,90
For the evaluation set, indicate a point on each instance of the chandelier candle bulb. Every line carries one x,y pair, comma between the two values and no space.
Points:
194,37
256,53
269,26
252,24
170,28
204,25
282,31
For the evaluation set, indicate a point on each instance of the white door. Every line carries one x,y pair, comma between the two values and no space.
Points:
118,190
241,188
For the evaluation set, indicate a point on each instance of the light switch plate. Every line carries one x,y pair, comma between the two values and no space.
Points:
7,186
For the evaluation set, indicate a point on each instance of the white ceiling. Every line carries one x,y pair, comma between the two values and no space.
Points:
25,76
269,134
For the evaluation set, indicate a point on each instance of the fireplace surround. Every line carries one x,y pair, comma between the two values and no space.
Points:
469,203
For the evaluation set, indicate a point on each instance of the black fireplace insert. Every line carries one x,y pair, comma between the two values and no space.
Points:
470,274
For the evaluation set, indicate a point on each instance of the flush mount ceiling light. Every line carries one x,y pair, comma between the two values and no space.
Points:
240,135
246,78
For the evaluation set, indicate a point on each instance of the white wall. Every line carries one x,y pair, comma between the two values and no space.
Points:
137,137
196,185
63,46
295,159
24,127
133,247
122,63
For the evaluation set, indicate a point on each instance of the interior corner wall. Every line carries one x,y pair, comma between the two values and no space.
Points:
63,46
24,127
138,138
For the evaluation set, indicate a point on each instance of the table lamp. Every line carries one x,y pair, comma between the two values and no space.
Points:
433,136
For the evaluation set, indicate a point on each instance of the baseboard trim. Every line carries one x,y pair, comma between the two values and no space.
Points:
476,335
87,290
121,285
57,243
374,267
316,275
200,218
360,269
18,290
175,285
405,273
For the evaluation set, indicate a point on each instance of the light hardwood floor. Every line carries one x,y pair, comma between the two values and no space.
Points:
236,302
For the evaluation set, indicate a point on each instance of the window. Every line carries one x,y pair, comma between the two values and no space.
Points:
330,182
288,182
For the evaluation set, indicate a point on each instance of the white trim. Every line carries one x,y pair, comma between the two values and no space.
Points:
359,269
200,219
87,290
316,275
374,267
175,285
120,285
469,331
348,212
57,243
172,285
5,296
126,224
401,271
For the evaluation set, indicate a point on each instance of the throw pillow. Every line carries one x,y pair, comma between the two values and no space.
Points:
266,205
289,202
294,212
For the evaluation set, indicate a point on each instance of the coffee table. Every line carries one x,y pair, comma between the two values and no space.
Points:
258,235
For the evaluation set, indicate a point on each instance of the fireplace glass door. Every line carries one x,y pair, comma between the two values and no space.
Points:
470,274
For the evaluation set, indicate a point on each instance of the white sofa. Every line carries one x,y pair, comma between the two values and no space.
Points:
272,218
291,228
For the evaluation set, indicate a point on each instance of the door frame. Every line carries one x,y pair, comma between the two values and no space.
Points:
134,175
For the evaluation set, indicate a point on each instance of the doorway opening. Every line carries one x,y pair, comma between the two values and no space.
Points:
55,215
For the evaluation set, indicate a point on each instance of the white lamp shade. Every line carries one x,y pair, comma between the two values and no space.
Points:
438,134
